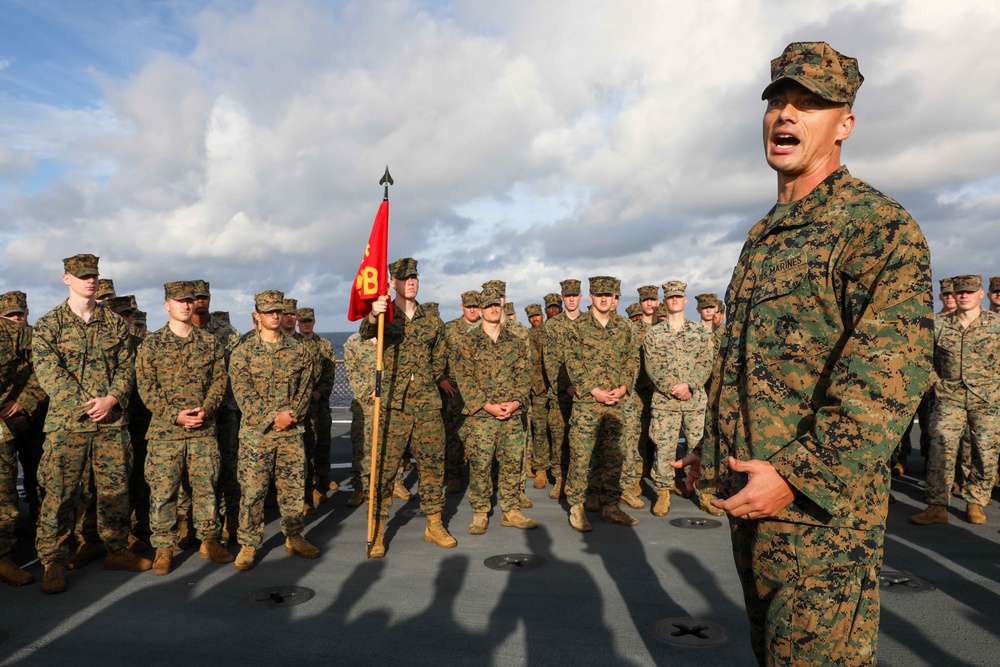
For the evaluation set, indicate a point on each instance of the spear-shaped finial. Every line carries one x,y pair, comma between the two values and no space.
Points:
386,181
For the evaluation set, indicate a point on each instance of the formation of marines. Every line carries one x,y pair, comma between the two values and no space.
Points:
789,407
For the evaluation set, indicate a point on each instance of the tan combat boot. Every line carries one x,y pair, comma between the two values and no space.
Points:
541,479
662,505
437,533
578,519
454,485
319,498
54,580
378,543
680,488
296,545
974,514
933,514
401,492
524,502
86,553
308,509
333,485
163,560
614,514
705,503
125,560
11,574
229,526
591,504
480,521
632,500
515,519
358,497
557,489
899,467
137,545
244,561
211,550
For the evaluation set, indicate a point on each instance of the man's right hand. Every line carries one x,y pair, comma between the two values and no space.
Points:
284,420
379,307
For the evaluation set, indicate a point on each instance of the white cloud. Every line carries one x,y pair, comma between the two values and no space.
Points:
529,141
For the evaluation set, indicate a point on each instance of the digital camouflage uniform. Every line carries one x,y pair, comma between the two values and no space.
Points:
227,426
413,362
826,354
493,372
76,361
321,352
672,357
966,399
359,363
604,357
541,454
266,380
554,348
454,418
15,346
174,374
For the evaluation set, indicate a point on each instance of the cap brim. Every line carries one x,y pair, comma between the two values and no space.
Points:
805,82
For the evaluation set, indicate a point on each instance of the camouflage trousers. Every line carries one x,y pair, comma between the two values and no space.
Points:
309,447
811,592
454,442
166,461
631,434
423,432
361,443
8,495
282,460
560,413
951,417
324,440
488,439
28,444
596,432
541,449
227,488
665,428
66,460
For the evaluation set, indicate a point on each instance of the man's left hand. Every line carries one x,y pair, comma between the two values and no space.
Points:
766,494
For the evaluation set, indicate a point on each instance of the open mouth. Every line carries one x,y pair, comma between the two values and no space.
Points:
785,140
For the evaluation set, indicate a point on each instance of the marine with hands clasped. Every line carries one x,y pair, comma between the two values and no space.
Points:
492,366
181,376
415,358
826,354
272,378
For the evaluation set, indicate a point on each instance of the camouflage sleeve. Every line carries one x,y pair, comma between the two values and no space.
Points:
220,379
392,331
50,370
251,403
439,354
522,373
551,353
657,360
631,358
123,380
882,371
354,368
147,380
327,371
583,373
701,364
304,388
473,395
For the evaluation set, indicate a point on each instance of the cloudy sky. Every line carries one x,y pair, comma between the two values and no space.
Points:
242,142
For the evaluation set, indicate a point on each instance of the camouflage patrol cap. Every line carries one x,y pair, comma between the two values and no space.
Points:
179,290
661,311
946,286
674,288
133,302
553,299
967,283
221,315
13,302
721,305
139,317
995,284
617,287
306,314
105,288
470,299
602,285
818,67
649,292
202,288
290,306
498,285
403,268
81,266
707,300
533,309
490,297
120,304
432,307
508,309
570,287
633,310
269,301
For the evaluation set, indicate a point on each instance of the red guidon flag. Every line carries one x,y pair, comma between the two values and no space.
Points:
371,281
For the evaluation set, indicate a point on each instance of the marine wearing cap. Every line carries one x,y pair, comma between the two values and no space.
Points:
491,296
105,289
471,299
946,286
552,299
81,266
269,301
121,305
533,309
969,283
201,289
707,300
674,288
819,68
404,268
633,311
179,290
603,285
13,302
306,315
649,292
570,287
